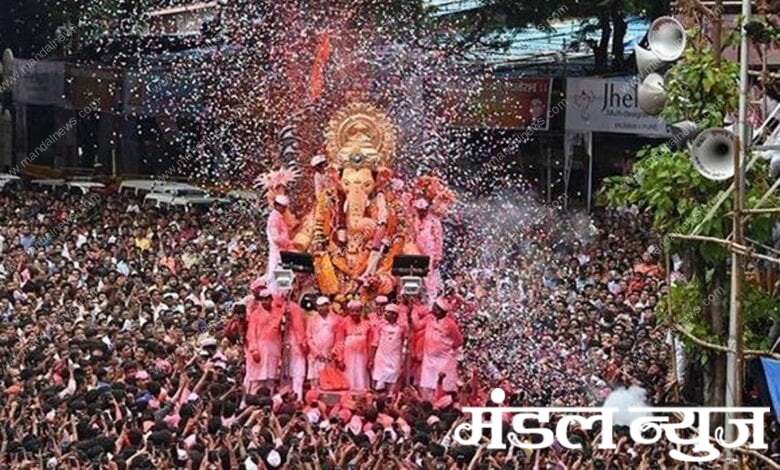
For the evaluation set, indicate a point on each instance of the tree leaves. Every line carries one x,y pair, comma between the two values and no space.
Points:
665,183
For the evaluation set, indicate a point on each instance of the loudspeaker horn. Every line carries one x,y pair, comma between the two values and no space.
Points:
667,38
713,153
651,94
683,132
646,61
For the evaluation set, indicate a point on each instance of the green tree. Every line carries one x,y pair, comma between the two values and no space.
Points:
492,16
665,182
611,16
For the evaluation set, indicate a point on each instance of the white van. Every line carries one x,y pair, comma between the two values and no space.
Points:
181,189
189,203
137,186
244,195
198,202
10,182
52,183
157,200
83,187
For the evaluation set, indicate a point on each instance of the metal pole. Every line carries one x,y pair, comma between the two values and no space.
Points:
675,366
284,375
568,153
549,174
408,342
590,167
734,366
567,157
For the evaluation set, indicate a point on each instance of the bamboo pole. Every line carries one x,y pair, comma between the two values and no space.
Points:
768,210
717,27
766,247
701,342
721,348
736,248
752,453
673,337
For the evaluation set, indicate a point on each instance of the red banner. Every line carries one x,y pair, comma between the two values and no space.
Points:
497,103
320,60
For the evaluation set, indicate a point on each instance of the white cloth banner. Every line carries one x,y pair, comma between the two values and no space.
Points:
571,140
609,105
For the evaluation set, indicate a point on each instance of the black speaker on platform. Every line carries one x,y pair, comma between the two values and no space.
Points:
297,262
411,270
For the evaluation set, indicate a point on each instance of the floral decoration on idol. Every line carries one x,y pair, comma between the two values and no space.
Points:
435,192
276,183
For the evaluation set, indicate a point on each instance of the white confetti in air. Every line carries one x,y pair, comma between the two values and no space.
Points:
625,398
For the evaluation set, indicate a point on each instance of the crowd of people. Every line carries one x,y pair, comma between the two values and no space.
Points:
579,314
127,333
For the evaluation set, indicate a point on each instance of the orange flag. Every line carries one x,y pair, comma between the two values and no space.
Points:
317,68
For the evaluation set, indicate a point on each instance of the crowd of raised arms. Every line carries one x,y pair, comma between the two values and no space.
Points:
127,333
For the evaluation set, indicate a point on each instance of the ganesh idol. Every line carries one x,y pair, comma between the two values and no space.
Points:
357,224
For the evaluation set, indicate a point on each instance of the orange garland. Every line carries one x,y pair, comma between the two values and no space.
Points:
326,275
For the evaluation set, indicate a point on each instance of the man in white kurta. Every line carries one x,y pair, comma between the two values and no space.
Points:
387,346
320,337
279,237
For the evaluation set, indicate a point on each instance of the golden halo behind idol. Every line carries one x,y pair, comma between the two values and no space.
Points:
357,225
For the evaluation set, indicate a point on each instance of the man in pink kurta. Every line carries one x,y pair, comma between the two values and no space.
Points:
440,346
278,233
352,341
320,338
387,349
412,312
263,346
298,349
376,313
429,239
257,286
